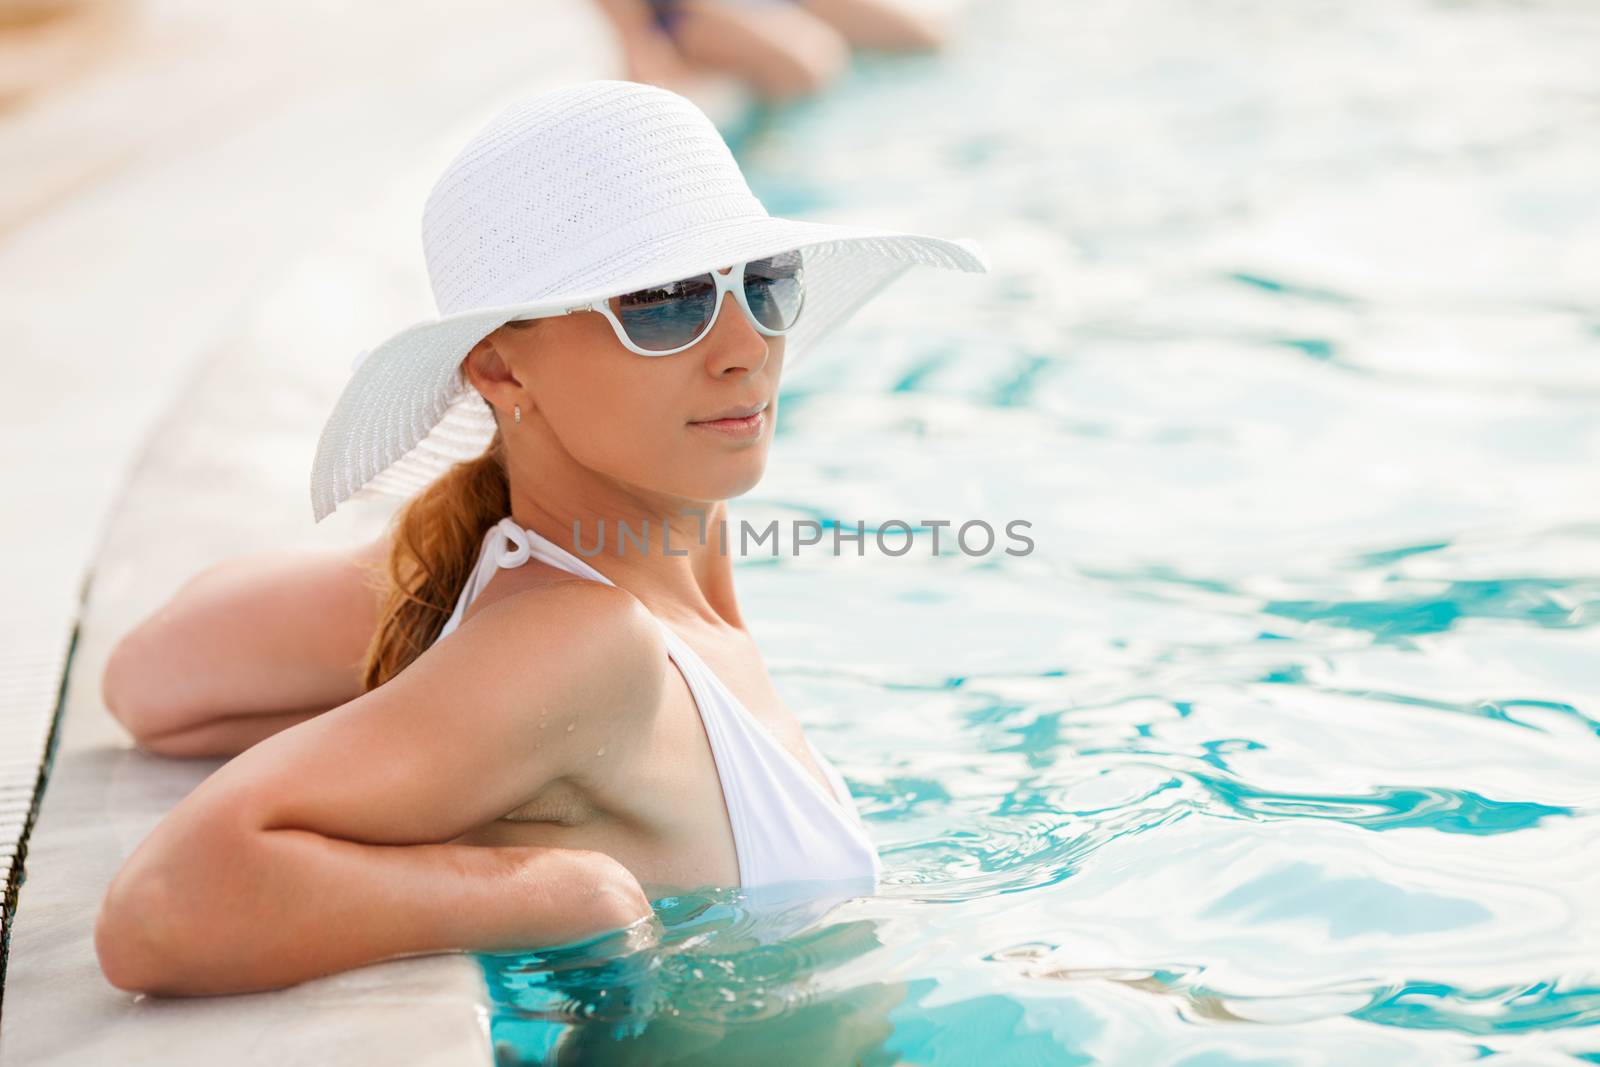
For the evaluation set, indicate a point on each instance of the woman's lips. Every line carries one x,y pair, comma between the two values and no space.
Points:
749,426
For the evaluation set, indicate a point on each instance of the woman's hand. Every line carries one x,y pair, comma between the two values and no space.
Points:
613,898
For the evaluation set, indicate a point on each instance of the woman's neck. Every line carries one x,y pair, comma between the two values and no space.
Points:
668,552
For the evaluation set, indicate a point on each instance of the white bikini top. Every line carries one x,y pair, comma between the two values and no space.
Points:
785,827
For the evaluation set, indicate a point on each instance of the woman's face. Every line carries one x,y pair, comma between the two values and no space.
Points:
632,417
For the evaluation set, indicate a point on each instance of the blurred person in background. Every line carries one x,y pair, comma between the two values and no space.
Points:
781,49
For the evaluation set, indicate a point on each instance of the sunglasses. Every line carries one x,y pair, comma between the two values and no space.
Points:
665,319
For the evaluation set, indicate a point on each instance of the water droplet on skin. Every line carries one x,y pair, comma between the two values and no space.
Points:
601,751
571,724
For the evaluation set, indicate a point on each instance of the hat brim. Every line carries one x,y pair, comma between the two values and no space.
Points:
408,414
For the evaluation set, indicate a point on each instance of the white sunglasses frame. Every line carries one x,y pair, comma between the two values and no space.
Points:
733,282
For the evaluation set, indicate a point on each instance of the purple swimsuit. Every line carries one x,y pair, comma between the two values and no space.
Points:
667,15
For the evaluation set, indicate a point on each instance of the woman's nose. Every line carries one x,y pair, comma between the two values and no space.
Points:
734,340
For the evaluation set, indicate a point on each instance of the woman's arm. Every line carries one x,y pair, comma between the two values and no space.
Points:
325,846
244,649
306,905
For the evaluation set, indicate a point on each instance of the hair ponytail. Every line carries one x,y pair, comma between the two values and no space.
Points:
436,539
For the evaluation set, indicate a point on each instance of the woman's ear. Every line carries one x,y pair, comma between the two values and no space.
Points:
486,367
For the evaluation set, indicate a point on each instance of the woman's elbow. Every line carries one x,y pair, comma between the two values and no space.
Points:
135,939
126,687
171,914
135,687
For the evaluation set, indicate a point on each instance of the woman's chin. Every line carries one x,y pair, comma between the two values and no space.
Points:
727,479
741,485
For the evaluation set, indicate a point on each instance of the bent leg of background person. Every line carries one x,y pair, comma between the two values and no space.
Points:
780,50
649,54
882,25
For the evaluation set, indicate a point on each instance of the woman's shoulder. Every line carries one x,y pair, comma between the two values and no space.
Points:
603,639
600,638
598,609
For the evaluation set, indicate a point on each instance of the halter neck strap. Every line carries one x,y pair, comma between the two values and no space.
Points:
528,544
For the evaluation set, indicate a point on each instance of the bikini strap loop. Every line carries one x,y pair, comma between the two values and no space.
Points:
521,547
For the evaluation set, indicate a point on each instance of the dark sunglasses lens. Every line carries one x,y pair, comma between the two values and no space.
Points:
670,316
775,288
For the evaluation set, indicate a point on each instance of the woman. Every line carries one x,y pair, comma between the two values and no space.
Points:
542,740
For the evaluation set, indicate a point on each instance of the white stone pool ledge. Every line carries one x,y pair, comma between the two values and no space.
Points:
196,237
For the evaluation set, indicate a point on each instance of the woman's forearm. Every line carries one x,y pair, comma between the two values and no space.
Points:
289,905
262,634
227,735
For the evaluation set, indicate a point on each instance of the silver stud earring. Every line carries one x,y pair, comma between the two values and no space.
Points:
516,412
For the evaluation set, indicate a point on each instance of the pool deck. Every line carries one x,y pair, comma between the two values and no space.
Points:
231,203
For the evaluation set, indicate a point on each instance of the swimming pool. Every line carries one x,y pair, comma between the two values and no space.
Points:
1283,745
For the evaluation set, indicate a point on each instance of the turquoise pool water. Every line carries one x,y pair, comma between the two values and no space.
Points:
1283,745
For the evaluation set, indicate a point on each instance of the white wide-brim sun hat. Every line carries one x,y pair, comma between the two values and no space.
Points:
576,194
